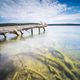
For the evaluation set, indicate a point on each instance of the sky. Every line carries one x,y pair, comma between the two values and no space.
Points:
49,11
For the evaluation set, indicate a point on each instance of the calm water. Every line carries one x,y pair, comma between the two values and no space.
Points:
66,39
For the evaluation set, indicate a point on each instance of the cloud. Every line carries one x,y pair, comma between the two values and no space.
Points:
33,10
68,18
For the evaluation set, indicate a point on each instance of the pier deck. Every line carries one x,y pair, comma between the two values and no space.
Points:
17,29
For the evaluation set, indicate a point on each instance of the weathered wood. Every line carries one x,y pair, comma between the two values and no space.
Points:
4,34
16,32
44,29
0,56
32,31
39,30
21,32
18,29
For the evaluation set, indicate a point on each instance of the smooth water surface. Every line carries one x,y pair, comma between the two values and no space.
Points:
66,39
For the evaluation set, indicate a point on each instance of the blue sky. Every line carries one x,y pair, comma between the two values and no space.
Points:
70,2
49,11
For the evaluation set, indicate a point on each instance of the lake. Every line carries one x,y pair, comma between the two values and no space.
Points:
65,39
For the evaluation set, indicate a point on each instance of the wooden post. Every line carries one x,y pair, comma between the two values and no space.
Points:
16,32
0,56
32,31
21,33
5,35
39,30
44,29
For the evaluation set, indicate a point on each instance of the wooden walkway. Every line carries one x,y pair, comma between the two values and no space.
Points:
17,29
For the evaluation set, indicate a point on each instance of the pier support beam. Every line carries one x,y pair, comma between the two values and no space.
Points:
4,34
44,29
32,31
16,32
39,30
0,56
21,33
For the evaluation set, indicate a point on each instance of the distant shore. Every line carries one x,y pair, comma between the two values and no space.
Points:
61,24
13,24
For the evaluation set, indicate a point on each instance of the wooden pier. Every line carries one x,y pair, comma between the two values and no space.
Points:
18,28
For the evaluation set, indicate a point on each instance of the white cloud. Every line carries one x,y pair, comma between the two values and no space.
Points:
34,11
69,16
